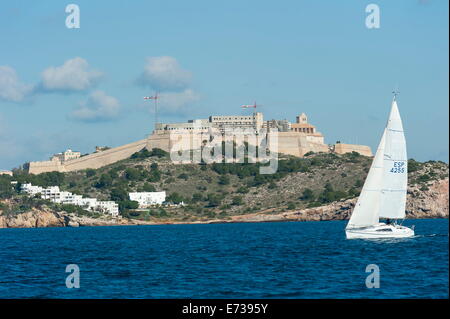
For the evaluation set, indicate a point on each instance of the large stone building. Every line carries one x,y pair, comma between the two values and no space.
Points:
65,156
295,139
219,122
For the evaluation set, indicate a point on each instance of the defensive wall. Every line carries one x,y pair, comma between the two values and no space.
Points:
94,160
292,143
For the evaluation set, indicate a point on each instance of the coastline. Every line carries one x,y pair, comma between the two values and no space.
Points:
431,203
334,211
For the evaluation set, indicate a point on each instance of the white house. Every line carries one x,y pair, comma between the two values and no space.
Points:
72,199
31,189
89,203
59,197
54,194
49,191
109,207
146,199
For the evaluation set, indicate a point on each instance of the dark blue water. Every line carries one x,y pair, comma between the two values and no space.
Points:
261,260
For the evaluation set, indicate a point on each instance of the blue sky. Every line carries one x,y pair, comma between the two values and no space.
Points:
77,88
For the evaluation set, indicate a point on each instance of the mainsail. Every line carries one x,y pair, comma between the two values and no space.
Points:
395,168
384,191
367,207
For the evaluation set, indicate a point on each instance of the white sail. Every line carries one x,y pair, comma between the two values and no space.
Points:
395,170
367,207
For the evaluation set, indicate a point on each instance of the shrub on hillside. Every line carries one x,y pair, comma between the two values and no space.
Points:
104,181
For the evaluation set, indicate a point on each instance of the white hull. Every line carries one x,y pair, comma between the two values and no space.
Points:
380,231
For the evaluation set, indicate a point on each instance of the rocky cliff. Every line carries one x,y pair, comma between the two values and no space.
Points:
430,203
34,218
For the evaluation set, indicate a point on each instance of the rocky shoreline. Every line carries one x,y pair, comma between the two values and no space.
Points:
430,203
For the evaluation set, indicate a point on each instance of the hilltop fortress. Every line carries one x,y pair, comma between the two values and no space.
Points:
295,139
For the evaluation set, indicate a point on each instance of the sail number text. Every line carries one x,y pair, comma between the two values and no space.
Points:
399,167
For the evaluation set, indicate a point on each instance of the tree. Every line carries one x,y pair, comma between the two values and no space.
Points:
413,165
113,174
128,204
307,195
149,188
183,176
330,195
224,180
132,174
6,189
155,176
291,206
214,200
242,190
359,183
159,153
154,166
237,200
197,197
90,172
175,198
104,181
118,194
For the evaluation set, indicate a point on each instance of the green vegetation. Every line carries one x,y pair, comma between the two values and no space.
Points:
219,189
156,152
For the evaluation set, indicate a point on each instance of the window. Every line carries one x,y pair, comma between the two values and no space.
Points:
385,229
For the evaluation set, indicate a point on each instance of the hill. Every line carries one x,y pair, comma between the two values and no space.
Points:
221,192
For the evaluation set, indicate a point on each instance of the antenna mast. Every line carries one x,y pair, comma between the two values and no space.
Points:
396,92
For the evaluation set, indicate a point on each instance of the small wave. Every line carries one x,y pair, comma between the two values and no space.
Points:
431,235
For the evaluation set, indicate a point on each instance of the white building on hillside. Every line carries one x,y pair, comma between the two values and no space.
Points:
89,203
31,189
49,191
54,194
58,197
108,207
72,199
146,199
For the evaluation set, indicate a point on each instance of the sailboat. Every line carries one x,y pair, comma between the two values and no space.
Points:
384,192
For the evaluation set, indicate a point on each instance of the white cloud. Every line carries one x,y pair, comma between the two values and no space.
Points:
11,89
175,101
98,107
73,75
164,74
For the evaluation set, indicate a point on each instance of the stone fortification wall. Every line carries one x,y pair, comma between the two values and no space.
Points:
292,143
45,166
340,148
94,160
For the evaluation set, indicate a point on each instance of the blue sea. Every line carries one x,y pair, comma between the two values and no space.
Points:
242,260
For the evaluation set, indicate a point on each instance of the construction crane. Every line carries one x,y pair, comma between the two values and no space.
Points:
249,106
155,98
